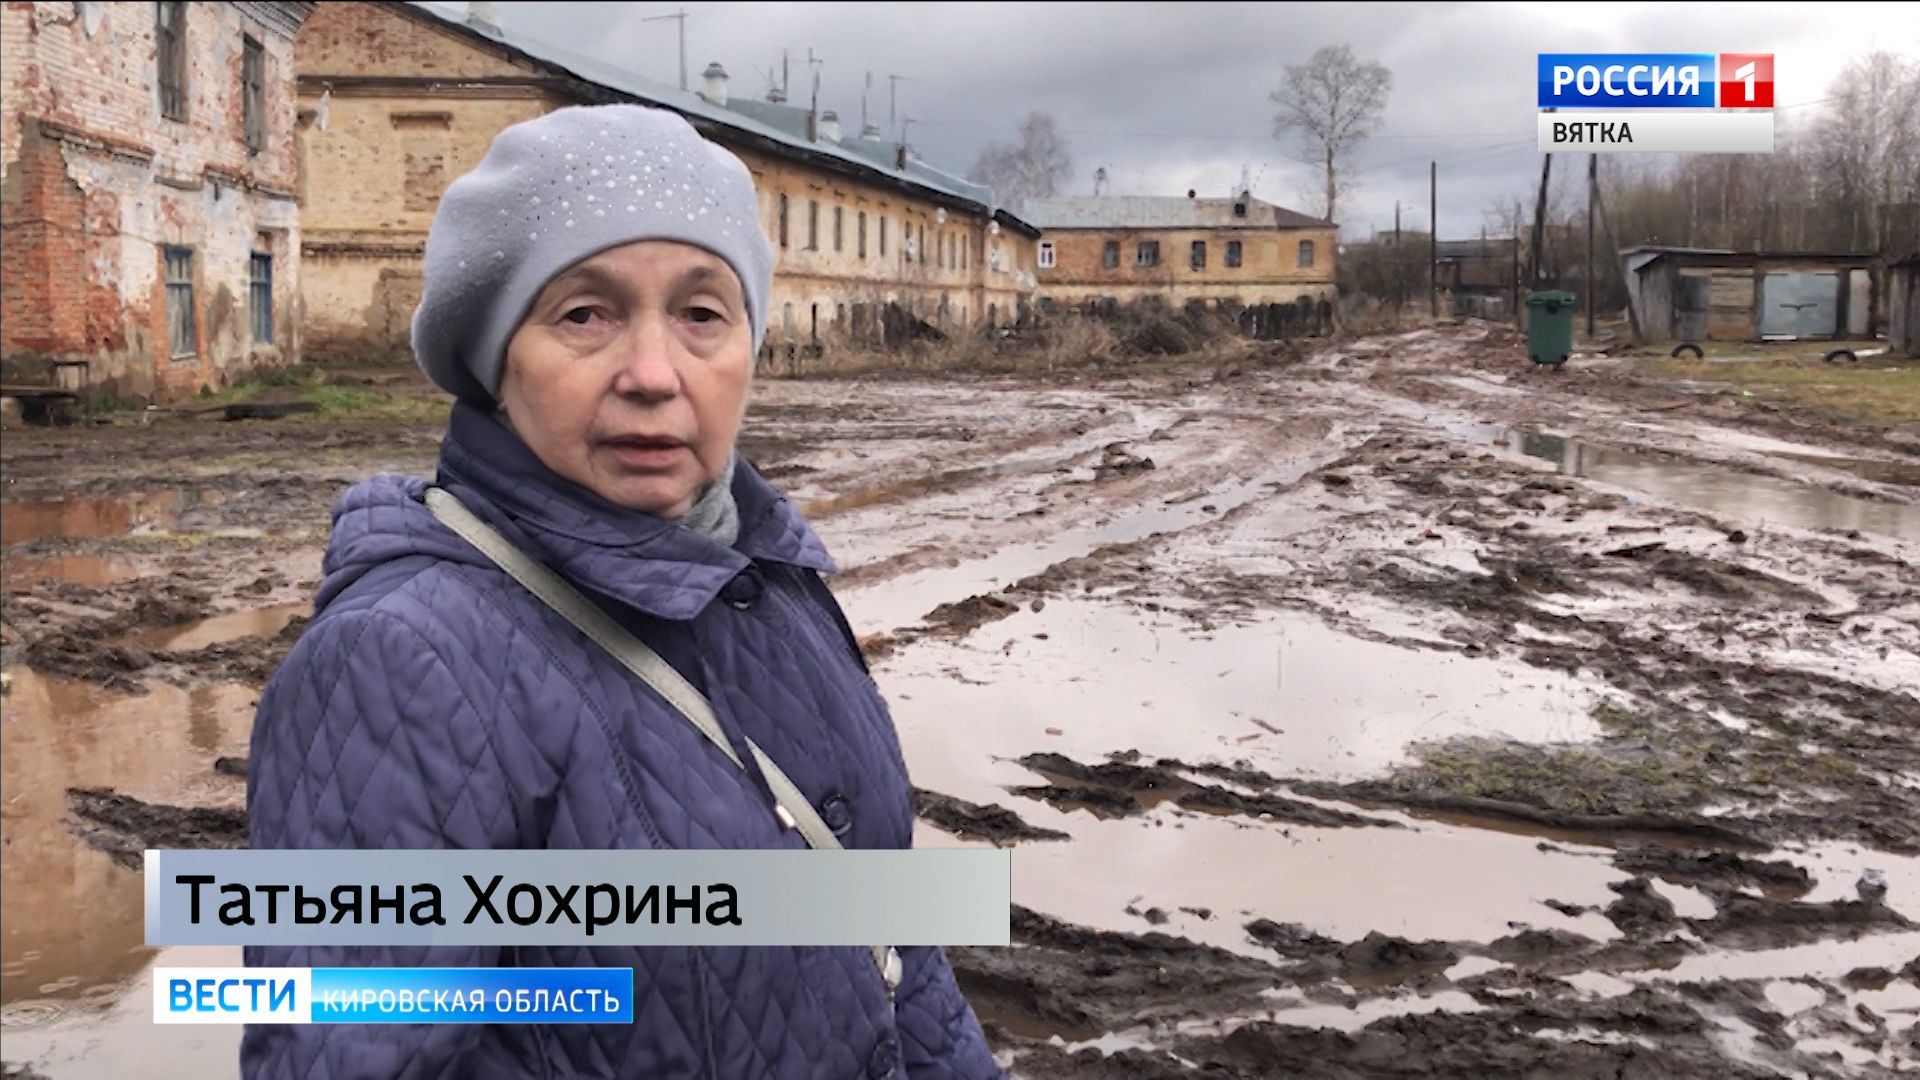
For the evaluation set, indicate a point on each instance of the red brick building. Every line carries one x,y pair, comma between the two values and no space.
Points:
149,202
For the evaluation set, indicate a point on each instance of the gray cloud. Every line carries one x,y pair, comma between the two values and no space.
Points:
1174,96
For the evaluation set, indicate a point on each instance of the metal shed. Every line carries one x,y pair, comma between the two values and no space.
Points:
1706,294
1903,306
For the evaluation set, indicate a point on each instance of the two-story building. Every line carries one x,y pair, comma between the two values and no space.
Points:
152,238
397,100
1175,251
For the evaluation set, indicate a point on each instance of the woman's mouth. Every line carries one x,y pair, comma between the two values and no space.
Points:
647,453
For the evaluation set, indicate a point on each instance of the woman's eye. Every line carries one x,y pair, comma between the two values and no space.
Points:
703,315
580,316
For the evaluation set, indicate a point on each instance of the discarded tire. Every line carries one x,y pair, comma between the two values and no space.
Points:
1839,355
1687,348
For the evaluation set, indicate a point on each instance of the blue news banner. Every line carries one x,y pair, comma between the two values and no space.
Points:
393,995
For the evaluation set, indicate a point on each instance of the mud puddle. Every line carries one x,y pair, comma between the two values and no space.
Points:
1288,694
111,1032
220,629
903,600
72,924
93,571
102,516
1738,496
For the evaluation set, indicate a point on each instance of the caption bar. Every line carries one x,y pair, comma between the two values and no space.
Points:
393,995
425,898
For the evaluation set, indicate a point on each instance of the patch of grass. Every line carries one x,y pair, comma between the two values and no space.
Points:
1885,393
398,404
1577,780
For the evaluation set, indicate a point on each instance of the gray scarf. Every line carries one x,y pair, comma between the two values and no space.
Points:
714,513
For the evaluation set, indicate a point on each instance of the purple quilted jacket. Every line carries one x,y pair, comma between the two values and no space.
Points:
433,703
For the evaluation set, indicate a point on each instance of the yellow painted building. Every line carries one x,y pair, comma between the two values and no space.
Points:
397,100
1175,251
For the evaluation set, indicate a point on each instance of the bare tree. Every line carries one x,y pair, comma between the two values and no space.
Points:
1328,106
1033,166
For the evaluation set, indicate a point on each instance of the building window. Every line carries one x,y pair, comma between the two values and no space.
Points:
260,296
253,94
966,245
838,217
1110,255
182,340
883,237
1306,253
1233,254
786,319
1147,253
1046,254
922,247
170,55
1197,257
860,235
813,224
783,221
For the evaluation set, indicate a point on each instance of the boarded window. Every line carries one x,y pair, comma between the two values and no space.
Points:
1306,253
921,247
260,296
860,235
1147,253
1233,254
838,232
783,221
966,245
253,94
1197,257
1110,255
883,237
1046,255
170,55
424,141
182,338
813,224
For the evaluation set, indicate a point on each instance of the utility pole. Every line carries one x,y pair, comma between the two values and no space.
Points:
1633,317
1433,239
681,18
1593,187
1535,258
1513,283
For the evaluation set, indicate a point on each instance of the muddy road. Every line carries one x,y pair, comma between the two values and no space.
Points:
1379,709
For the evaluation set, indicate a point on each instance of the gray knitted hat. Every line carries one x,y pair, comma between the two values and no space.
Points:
561,188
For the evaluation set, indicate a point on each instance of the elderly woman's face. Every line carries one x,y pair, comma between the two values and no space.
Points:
629,375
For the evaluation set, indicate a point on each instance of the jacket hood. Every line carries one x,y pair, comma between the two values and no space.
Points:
624,555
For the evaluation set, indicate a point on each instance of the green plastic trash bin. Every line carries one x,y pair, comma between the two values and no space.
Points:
1550,327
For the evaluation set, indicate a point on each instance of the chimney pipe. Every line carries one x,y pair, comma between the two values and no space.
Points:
830,126
484,15
714,88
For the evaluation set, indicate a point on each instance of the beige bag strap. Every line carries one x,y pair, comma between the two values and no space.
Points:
790,806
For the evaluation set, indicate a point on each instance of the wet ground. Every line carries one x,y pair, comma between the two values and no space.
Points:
1386,710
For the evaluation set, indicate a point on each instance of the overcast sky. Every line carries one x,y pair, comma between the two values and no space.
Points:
1174,96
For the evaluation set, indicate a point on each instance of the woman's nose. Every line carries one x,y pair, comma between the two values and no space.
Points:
647,367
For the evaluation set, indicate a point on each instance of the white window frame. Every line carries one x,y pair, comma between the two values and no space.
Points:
1046,255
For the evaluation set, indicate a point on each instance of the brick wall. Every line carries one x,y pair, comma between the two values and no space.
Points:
373,176
97,183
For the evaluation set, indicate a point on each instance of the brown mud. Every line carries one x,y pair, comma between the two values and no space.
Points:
1432,716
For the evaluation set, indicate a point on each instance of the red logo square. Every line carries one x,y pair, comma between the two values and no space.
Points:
1746,80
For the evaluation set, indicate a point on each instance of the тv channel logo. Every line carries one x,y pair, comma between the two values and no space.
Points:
1656,80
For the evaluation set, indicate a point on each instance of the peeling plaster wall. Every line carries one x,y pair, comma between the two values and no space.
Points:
97,183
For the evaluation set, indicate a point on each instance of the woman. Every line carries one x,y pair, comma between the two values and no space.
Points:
596,291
